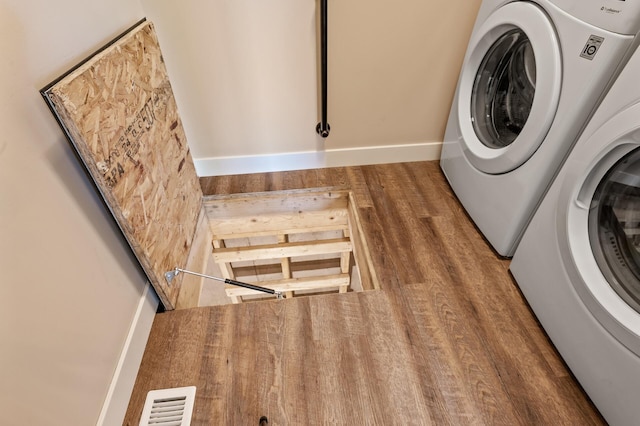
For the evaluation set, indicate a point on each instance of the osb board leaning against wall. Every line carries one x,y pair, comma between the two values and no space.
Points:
118,110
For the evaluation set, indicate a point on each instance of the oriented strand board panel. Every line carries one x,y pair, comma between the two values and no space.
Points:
118,110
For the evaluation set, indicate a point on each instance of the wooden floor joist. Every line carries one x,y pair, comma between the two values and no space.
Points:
280,250
263,225
337,281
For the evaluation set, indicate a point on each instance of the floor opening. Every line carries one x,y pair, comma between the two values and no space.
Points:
301,242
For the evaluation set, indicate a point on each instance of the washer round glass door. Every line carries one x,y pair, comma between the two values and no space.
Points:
614,228
503,90
509,88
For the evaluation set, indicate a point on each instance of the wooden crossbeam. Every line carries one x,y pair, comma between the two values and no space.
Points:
285,223
274,202
293,284
278,251
274,268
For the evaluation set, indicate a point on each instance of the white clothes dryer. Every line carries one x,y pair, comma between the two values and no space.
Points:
533,73
578,263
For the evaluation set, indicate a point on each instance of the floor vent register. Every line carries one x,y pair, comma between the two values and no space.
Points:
168,407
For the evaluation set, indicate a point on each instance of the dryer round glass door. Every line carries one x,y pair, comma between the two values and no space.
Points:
614,228
509,88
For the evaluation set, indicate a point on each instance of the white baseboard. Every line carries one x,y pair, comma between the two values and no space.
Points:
119,394
219,166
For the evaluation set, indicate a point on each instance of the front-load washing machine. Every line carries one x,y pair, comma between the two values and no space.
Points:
533,73
578,263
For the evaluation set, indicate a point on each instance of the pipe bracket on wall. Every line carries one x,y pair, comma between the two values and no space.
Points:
323,127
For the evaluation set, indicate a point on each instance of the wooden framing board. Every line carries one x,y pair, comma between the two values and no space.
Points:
368,276
284,212
199,257
280,250
340,281
294,266
118,110
291,223
275,202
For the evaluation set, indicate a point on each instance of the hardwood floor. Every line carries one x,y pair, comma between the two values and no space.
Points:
448,340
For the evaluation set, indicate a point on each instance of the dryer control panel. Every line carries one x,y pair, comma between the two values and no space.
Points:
618,16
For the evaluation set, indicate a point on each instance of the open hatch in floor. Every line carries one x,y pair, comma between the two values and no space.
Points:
300,242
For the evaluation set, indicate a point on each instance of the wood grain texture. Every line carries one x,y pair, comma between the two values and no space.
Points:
448,340
120,114
199,257
294,284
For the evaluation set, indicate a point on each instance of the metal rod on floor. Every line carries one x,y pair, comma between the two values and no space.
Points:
170,275
323,127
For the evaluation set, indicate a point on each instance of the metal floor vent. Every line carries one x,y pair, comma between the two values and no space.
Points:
168,407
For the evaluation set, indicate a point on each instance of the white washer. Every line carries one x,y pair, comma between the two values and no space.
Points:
578,263
533,73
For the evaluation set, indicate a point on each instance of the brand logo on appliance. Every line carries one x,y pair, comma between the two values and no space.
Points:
591,47
610,10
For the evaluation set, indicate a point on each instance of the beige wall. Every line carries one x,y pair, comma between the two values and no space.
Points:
394,68
69,287
245,78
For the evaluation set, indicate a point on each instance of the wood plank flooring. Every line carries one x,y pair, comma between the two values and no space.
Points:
449,340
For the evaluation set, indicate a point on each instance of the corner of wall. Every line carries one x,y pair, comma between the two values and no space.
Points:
124,377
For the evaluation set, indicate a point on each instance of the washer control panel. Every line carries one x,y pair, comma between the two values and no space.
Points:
618,16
